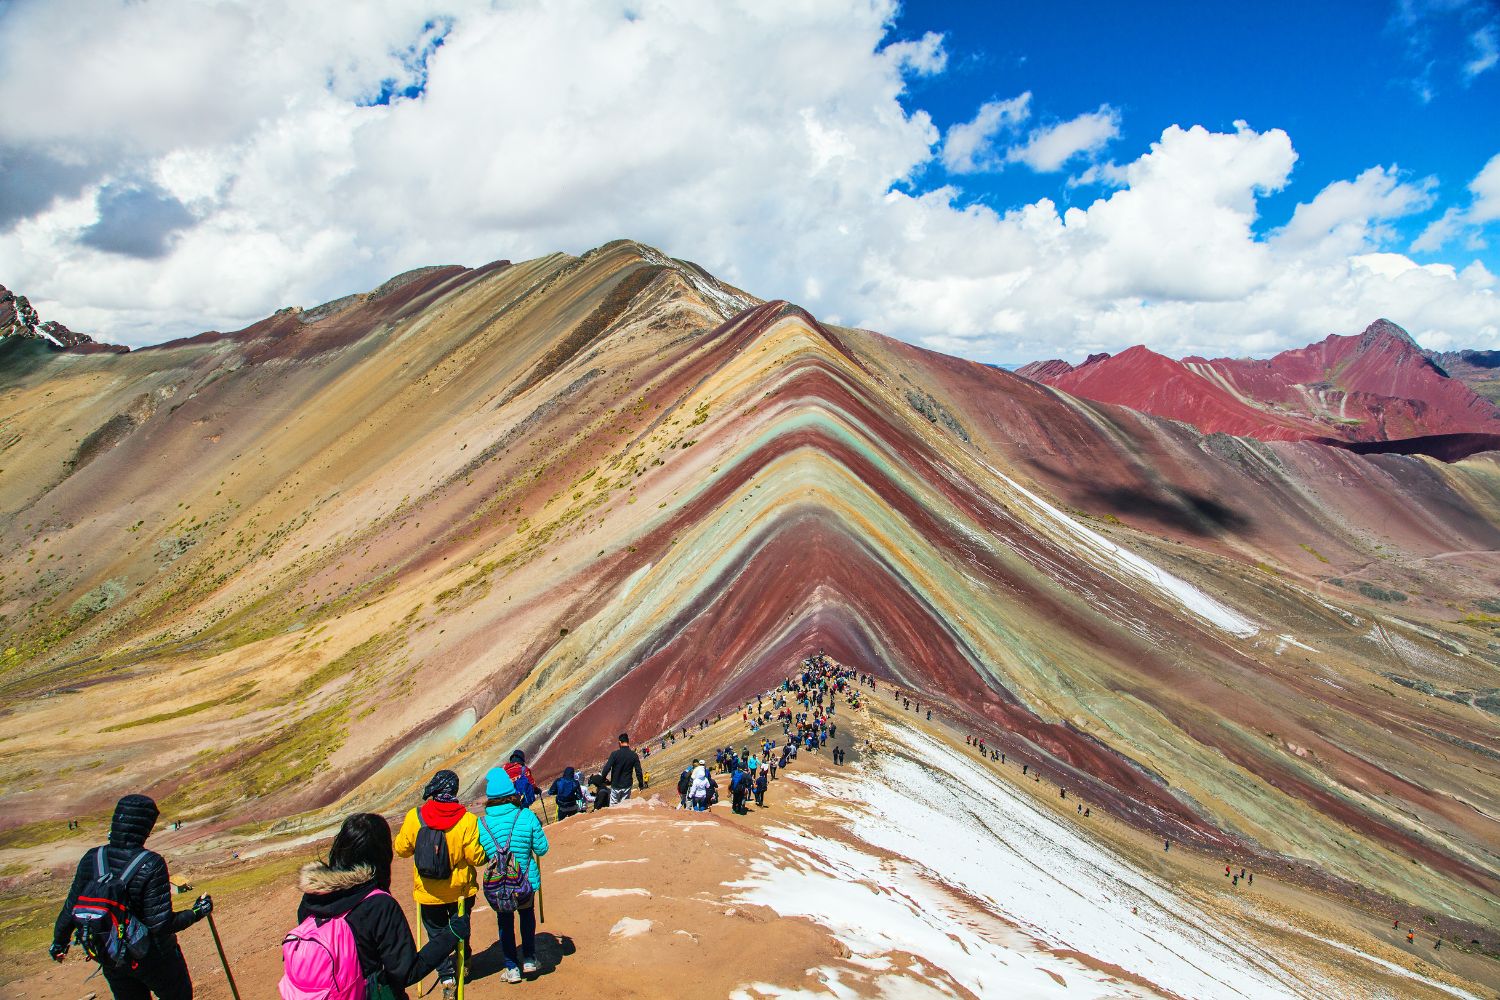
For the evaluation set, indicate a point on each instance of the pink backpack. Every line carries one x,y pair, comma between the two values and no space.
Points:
322,961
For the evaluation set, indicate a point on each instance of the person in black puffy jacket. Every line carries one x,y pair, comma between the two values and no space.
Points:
359,861
163,971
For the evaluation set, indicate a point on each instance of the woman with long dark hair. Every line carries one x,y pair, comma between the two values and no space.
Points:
354,885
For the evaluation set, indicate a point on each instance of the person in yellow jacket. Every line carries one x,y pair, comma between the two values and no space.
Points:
443,838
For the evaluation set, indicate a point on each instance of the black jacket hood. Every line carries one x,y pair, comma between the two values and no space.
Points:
135,817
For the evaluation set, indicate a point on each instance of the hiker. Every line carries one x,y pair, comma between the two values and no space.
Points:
507,827
684,786
567,793
123,881
738,785
760,787
348,896
698,784
443,837
601,791
520,776
619,768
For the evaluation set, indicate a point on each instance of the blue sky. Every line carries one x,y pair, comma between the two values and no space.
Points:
998,181
1354,84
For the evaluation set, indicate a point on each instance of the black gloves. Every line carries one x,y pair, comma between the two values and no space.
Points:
58,951
203,906
459,925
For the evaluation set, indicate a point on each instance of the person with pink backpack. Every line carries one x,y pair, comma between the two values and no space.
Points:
352,941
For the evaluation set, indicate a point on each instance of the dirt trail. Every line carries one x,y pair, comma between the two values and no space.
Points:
645,900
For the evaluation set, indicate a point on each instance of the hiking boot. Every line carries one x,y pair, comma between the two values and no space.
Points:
450,989
510,975
530,967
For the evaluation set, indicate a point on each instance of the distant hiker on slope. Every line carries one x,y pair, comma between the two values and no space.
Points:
510,833
568,794
443,838
121,884
520,776
346,903
619,768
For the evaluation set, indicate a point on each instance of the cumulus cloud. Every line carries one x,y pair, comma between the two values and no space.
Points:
1049,147
1484,208
277,153
1485,188
984,143
970,146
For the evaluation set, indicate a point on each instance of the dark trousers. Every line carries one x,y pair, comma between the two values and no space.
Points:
434,921
165,975
527,919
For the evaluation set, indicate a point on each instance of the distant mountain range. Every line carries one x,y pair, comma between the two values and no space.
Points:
1375,386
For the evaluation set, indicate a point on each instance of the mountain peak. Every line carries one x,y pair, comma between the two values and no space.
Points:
1385,328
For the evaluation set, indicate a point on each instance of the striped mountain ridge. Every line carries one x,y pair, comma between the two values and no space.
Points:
279,574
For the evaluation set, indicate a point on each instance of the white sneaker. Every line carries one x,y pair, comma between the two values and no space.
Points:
510,975
530,967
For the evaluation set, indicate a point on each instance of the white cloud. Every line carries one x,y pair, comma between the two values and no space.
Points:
978,145
1485,188
1346,216
1051,146
1484,208
969,147
1486,48
766,140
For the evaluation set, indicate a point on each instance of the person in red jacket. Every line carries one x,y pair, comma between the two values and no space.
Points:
520,776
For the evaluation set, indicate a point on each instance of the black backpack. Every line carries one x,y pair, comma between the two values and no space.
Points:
684,780
431,856
103,925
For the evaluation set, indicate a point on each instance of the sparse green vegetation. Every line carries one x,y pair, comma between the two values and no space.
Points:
240,694
1377,593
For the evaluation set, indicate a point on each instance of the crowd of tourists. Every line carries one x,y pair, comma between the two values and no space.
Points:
352,938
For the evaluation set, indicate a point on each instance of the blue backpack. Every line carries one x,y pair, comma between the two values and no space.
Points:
567,789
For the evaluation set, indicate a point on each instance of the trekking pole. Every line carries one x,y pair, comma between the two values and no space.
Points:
541,909
213,928
421,983
463,967
545,817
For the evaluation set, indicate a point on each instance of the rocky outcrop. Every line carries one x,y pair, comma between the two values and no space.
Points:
18,318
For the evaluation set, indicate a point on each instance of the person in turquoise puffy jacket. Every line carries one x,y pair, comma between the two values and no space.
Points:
505,823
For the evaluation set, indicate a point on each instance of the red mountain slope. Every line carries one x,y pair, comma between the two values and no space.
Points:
1377,386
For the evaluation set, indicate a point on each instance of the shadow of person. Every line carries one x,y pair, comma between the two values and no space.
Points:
550,951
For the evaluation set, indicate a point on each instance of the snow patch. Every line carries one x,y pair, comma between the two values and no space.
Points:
595,864
608,893
629,927
1107,552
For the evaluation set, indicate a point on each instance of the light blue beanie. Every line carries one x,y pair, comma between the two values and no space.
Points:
497,783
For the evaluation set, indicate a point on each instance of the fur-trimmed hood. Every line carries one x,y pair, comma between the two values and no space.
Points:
332,892
317,879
